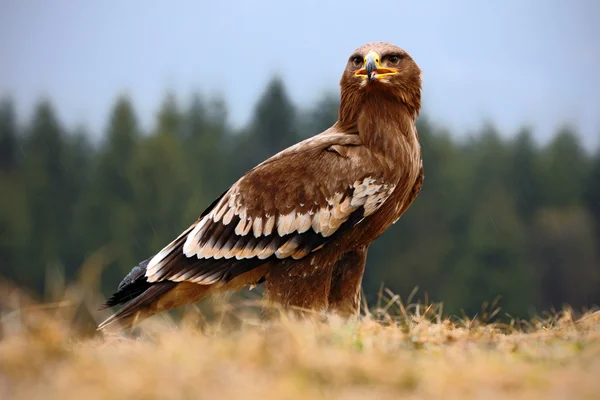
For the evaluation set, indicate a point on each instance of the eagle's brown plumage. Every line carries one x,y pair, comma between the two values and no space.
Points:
302,220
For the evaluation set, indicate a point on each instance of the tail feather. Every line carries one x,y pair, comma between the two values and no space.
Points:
139,308
142,299
137,295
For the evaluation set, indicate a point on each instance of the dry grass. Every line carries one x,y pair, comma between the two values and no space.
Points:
49,352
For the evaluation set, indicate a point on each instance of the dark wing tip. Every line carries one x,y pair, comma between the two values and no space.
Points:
138,309
137,272
130,287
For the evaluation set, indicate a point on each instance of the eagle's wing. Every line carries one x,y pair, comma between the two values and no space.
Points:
288,206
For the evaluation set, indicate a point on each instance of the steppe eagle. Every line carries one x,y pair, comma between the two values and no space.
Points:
302,220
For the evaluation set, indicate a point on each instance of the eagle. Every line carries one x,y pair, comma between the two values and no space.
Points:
300,222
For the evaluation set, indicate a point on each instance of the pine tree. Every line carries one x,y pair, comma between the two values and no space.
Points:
494,263
162,184
487,239
109,211
49,200
564,170
273,127
13,218
8,137
206,152
592,195
323,115
523,175
78,156
567,258
494,217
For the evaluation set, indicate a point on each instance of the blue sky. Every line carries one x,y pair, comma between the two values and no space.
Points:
515,62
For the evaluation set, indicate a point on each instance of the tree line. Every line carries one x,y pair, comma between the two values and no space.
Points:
496,216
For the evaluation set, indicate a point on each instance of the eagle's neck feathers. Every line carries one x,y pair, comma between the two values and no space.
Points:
380,118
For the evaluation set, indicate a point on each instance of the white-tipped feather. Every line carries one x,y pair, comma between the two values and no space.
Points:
346,208
302,252
192,240
178,276
219,214
241,226
316,222
303,223
225,252
205,280
330,226
269,225
372,189
242,213
357,200
238,248
325,220
249,250
183,276
266,252
156,262
228,216
257,227
336,212
290,222
281,225
336,199
334,223
207,251
324,215
231,200
326,231
219,254
288,248
285,223
247,227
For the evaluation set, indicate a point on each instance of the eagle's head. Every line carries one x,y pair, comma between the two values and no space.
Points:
382,70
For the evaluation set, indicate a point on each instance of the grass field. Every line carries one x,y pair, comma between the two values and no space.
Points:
394,351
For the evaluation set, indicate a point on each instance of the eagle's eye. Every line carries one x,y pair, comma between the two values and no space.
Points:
394,59
357,61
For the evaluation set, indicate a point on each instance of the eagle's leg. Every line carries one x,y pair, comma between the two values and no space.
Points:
299,287
344,295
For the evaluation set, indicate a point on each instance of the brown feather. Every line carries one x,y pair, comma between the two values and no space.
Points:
298,214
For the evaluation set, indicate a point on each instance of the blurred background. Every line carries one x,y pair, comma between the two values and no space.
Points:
121,121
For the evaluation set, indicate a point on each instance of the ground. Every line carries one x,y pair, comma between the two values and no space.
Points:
415,354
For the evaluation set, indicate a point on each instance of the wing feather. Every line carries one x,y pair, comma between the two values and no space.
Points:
285,207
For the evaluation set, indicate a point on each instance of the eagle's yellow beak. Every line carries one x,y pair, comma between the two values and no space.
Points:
373,69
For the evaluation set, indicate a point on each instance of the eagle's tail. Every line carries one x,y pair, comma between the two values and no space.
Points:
137,295
138,309
142,299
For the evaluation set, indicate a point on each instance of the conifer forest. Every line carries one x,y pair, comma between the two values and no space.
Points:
500,217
